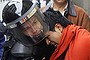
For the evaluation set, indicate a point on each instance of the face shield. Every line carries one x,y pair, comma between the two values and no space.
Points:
29,29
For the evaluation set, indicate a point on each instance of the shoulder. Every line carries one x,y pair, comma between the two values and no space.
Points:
81,44
81,14
80,10
83,38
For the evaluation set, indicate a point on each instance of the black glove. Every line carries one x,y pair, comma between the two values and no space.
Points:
9,14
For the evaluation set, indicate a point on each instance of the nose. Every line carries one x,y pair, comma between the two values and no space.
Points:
30,27
33,30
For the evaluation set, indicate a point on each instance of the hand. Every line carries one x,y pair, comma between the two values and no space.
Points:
43,58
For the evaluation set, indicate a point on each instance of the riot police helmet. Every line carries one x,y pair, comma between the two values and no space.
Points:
26,21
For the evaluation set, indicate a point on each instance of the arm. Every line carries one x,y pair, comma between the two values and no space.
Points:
86,22
81,18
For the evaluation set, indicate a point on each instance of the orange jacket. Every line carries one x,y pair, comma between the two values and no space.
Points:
76,42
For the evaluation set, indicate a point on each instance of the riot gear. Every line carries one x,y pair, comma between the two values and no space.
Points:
28,18
26,24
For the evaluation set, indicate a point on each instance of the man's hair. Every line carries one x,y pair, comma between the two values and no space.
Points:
52,17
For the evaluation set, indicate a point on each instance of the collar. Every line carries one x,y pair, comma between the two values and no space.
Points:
70,8
64,9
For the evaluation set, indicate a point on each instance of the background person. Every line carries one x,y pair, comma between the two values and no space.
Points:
74,13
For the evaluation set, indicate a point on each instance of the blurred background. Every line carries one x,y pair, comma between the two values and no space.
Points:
82,3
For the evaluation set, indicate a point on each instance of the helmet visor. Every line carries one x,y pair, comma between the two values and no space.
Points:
33,28
30,30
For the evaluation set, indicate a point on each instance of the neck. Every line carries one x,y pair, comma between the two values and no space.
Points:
59,6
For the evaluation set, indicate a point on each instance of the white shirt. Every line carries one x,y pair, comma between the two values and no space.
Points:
62,12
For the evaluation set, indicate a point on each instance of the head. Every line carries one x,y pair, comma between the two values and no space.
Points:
26,21
56,23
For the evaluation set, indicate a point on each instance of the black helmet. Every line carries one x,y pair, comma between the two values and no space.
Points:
26,21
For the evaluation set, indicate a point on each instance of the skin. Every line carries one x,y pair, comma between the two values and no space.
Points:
54,36
60,1
32,27
59,4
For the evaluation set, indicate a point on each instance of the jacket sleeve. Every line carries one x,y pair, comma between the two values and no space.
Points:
2,40
86,22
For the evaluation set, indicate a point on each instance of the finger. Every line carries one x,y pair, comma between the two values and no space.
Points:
48,41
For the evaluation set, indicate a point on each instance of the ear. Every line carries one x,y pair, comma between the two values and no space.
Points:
58,28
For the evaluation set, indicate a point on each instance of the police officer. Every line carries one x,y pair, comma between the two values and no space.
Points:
26,26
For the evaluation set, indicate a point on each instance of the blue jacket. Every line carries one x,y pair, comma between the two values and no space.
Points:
2,40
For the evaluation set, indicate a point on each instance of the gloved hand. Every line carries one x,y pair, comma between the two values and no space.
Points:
9,14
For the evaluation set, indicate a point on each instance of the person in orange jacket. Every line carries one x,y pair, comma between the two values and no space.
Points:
71,11
74,13
72,42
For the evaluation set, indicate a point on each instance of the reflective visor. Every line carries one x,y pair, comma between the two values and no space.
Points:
32,27
29,29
